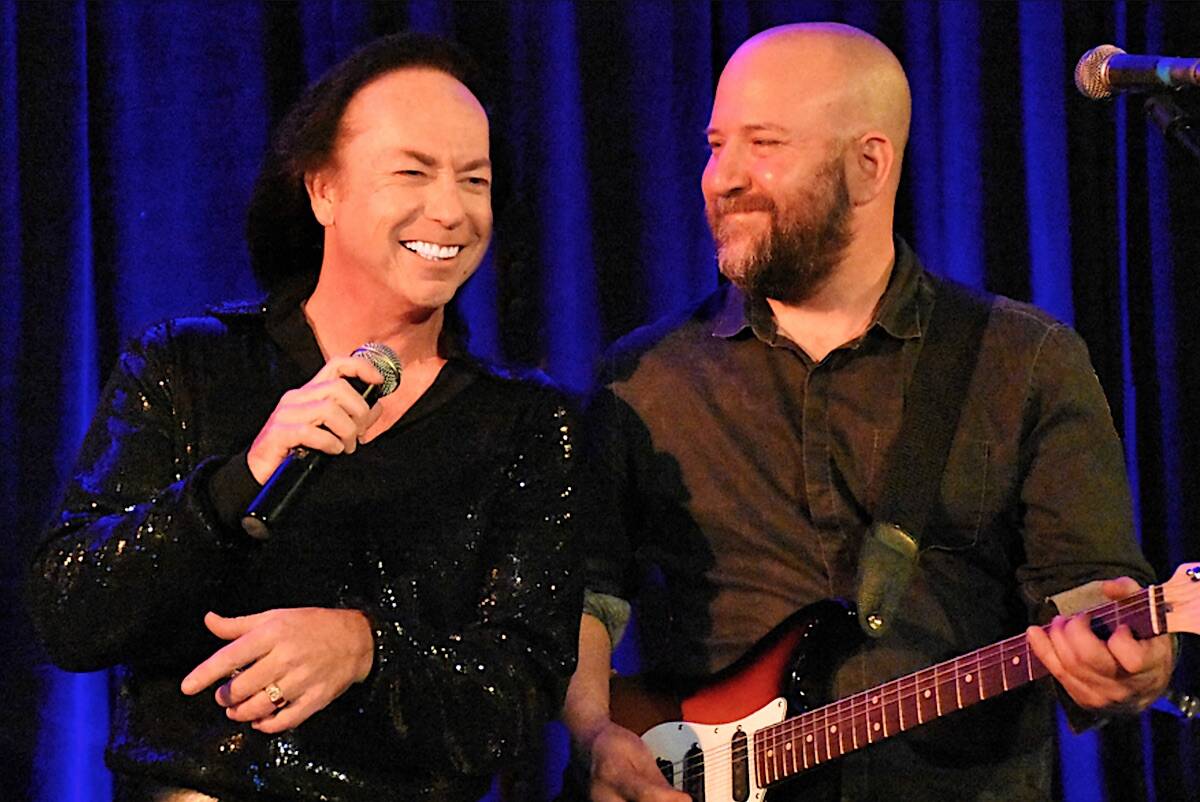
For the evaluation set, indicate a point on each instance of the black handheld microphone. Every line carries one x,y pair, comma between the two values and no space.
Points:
1107,69
300,463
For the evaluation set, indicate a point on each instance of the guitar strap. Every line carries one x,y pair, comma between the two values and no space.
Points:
917,461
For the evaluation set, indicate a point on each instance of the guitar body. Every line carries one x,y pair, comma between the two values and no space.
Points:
768,717
699,732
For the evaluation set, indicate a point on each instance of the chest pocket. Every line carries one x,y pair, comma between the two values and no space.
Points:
958,517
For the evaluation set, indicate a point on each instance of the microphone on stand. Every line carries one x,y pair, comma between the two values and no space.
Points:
1105,70
284,484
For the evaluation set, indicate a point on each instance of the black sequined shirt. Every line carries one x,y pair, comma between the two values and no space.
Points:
451,531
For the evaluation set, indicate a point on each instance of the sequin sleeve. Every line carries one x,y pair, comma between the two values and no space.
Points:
471,700
121,573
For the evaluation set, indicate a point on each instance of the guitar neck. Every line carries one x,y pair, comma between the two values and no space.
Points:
803,742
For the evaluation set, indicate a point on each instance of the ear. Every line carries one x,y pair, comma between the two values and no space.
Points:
871,160
322,194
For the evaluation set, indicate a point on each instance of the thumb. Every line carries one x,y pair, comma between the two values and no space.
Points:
233,627
1119,588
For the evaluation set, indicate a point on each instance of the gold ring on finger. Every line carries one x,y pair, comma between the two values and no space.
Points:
275,695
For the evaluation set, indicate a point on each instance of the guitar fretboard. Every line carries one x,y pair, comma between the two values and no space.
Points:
808,740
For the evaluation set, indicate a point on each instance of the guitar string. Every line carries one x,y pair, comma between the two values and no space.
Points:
1100,614
897,695
1104,614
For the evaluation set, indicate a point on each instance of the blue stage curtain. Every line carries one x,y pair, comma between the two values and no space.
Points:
130,134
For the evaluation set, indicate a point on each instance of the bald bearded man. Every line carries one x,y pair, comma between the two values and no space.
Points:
741,452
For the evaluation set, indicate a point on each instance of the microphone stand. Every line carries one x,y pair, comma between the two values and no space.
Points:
1176,124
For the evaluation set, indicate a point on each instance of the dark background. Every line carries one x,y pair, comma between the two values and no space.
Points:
130,134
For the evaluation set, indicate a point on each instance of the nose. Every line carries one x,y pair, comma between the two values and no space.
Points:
725,173
444,203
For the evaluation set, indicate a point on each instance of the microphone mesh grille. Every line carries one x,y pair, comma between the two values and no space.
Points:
1091,73
384,360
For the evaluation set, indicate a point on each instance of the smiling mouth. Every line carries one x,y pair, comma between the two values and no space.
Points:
431,250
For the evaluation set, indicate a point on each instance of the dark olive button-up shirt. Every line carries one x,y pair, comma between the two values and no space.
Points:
739,477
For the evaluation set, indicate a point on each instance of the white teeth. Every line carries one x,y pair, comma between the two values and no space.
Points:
430,250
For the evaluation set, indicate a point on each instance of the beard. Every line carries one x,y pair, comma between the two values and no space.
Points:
801,249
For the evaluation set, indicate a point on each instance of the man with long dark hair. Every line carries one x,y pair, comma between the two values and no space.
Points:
411,622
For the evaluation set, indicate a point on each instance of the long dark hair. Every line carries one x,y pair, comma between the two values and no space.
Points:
285,239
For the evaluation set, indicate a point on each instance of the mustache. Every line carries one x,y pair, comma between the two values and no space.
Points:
740,203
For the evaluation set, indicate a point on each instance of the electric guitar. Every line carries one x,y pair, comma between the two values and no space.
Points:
754,725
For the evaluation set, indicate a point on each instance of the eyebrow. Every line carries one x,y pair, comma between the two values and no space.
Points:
431,161
752,127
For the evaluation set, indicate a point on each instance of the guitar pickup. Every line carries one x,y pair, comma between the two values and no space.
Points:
693,773
740,766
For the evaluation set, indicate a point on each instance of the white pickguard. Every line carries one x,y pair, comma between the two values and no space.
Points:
672,740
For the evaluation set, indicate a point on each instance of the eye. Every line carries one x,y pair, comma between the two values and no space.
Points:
764,142
410,173
476,183
714,145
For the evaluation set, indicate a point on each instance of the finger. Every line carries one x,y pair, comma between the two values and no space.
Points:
245,684
1043,648
1140,656
636,782
329,414
602,793
229,628
221,664
312,436
1082,648
350,400
1120,588
1089,687
349,366
285,718
259,705
1130,654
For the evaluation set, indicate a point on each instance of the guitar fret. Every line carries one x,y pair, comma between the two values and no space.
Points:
854,720
825,733
926,691
881,723
891,706
870,723
841,730
794,745
947,689
775,753
1159,610
759,767
909,698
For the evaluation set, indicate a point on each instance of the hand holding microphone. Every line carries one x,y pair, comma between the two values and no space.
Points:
324,417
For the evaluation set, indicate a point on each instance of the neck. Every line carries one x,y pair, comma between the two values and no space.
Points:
344,315
842,309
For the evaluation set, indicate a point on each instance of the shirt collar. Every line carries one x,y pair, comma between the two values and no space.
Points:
289,327
899,313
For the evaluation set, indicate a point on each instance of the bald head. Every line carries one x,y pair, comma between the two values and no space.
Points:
807,130
823,79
